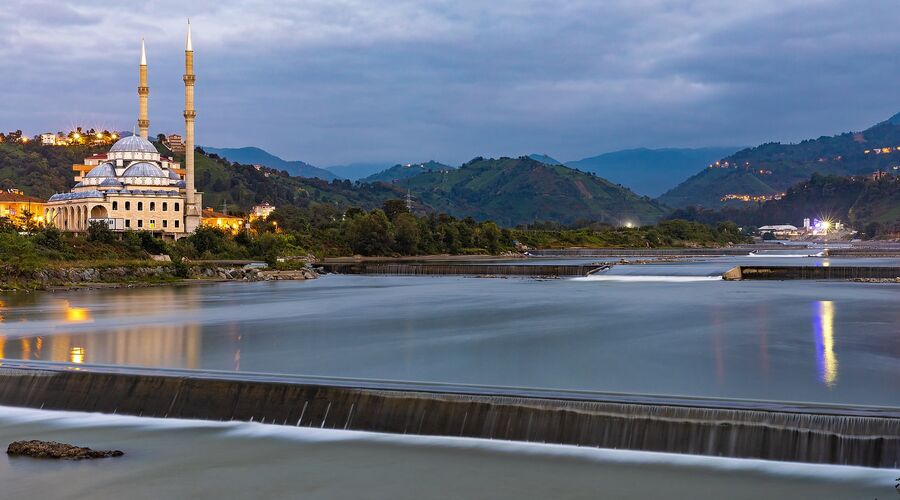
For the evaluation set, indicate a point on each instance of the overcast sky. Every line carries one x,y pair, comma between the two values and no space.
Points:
339,81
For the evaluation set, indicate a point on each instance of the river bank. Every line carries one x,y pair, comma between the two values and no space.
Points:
142,274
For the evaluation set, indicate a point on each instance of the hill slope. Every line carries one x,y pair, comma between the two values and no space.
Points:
651,171
522,190
256,156
772,168
857,201
243,186
400,172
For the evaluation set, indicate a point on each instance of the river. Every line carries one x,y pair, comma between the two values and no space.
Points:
672,328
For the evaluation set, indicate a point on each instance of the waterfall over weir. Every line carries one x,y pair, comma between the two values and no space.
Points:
741,429
436,269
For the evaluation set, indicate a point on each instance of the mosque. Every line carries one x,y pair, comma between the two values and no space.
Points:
133,187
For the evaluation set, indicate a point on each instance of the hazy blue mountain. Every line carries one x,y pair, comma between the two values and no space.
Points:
357,171
651,172
549,160
256,156
399,172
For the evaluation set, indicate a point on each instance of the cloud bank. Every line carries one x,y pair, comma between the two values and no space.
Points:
340,81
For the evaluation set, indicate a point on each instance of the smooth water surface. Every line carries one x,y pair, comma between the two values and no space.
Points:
671,328
214,460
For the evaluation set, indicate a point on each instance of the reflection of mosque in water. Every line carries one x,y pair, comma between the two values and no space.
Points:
171,345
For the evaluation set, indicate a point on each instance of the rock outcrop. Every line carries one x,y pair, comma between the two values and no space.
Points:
52,449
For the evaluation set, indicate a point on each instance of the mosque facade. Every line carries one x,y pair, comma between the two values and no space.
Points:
133,187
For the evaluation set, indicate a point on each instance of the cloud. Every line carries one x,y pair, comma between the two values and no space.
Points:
351,80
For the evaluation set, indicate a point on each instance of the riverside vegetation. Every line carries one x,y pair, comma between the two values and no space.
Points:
292,237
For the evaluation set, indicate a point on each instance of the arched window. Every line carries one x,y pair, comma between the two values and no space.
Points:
127,205
165,206
176,207
152,205
115,205
140,206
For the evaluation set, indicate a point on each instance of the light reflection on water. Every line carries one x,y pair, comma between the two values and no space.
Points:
715,338
823,324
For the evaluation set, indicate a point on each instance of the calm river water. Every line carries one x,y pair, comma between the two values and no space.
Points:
668,328
673,329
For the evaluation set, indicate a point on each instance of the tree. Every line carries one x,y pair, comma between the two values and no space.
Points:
406,234
393,208
370,234
489,237
99,232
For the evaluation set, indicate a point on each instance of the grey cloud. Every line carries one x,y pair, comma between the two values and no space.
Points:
335,81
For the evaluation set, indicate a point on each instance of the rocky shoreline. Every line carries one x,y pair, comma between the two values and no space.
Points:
67,278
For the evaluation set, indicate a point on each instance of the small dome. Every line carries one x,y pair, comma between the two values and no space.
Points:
133,143
174,175
110,183
143,169
105,169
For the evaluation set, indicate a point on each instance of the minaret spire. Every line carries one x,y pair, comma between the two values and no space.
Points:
188,46
143,95
191,212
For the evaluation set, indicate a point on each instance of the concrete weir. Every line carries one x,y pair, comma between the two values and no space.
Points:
743,429
434,269
811,272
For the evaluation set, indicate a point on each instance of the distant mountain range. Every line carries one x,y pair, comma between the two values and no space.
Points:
646,171
357,171
770,169
651,172
400,172
256,156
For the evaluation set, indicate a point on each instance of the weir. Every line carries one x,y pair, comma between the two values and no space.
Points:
811,272
647,252
416,269
862,436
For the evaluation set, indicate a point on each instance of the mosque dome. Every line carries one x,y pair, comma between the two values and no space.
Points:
144,169
174,175
102,170
133,143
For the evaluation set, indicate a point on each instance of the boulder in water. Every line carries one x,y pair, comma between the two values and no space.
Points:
52,449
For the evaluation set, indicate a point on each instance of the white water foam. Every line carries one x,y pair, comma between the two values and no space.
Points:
646,278
255,430
788,255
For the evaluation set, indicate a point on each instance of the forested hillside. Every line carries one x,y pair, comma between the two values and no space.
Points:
514,191
871,206
772,168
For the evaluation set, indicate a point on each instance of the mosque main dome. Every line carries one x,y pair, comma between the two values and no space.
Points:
133,144
144,169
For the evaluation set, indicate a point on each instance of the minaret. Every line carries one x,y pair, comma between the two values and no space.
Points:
143,94
191,212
